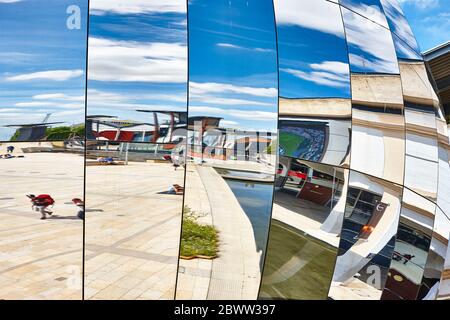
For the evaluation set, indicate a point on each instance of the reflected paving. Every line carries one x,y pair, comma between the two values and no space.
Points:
40,259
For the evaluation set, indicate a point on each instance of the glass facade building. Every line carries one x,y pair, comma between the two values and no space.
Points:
258,149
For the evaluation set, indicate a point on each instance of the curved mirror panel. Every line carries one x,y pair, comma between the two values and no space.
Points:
367,238
436,256
444,285
314,105
307,216
42,70
378,126
421,163
133,216
137,73
370,9
400,27
41,228
412,246
370,45
231,148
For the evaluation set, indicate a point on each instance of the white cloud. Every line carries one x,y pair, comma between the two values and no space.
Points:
114,101
421,4
10,1
233,46
226,101
114,60
229,123
198,88
328,73
375,41
57,96
50,104
55,75
54,100
229,45
254,115
399,23
4,110
372,12
318,15
99,7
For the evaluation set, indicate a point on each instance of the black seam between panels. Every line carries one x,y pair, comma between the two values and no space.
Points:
276,155
85,150
350,146
433,202
185,152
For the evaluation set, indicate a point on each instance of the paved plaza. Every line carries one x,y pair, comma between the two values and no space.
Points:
40,259
132,231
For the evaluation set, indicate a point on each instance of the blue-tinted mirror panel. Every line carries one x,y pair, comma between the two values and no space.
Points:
370,46
308,69
42,69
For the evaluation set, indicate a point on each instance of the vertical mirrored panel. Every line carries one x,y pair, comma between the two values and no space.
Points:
41,230
411,249
444,285
404,40
421,163
232,141
370,45
367,238
314,105
133,216
436,256
137,89
369,9
443,195
136,124
378,126
42,69
307,215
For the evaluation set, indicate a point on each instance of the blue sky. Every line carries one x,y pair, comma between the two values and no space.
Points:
42,63
308,68
429,20
233,62
137,58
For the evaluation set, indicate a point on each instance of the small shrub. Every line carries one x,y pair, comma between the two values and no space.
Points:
197,239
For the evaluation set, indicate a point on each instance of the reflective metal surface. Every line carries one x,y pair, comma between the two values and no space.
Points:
307,218
42,67
231,149
412,245
259,149
41,230
367,238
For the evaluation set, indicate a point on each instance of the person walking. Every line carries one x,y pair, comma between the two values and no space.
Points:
41,203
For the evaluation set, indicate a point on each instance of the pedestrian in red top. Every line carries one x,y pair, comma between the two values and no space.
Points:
41,203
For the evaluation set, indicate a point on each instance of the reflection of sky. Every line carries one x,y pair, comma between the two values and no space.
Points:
232,62
312,50
42,63
404,41
429,19
137,58
371,9
370,46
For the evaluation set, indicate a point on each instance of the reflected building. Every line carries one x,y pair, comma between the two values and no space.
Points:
259,149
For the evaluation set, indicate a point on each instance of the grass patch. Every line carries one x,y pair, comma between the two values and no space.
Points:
290,142
197,239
